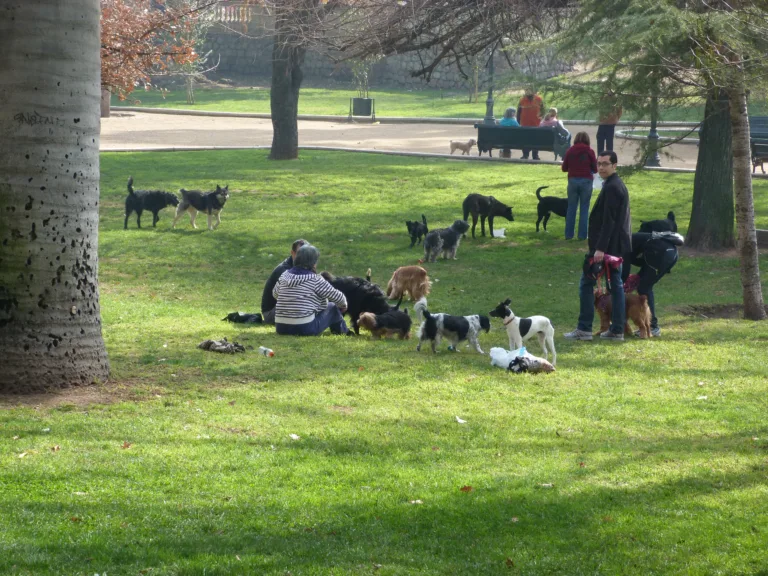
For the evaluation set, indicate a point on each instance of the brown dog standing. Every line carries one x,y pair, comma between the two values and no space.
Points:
637,310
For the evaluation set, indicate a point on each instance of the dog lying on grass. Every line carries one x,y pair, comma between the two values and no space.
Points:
485,207
151,200
549,205
637,309
465,147
194,201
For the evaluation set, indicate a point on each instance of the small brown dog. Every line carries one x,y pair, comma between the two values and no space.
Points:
385,325
412,280
465,147
637,310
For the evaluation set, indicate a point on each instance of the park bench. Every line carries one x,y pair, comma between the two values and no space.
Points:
759,150
758,127
490,136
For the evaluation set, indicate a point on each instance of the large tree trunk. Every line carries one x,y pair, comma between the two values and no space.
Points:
50,323
711,225
287,59
752,291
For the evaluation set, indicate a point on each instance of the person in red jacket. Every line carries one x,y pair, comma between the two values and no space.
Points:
529,112
581,164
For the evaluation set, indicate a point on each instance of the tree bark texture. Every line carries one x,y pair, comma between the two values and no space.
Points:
711,224
287,59
752,291
50,90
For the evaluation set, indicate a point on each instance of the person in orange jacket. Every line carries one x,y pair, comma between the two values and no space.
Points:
530,110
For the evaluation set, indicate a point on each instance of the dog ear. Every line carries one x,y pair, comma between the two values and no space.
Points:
507,302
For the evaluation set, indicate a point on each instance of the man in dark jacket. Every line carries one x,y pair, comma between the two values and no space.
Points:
268,301
655,254
610,232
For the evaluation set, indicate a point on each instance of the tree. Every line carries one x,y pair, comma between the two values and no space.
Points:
678,49
440,31
50,322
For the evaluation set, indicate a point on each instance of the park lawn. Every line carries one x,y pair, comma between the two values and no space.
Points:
647,457
428,103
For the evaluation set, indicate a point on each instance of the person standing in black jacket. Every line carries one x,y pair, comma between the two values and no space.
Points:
268,301
610,232
655,254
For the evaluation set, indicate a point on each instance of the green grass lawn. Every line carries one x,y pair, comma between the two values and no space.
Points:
428,103
647,457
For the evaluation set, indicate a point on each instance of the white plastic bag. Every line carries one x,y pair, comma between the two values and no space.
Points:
597,183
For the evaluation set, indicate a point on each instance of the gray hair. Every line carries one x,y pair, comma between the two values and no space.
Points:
306,257
510,113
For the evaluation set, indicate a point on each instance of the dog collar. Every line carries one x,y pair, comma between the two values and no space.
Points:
511,317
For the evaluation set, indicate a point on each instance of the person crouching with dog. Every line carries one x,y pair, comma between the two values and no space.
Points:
268,301
610,233
655,254
303,307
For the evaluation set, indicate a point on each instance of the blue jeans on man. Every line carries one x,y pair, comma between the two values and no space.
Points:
579,196
331,318
587,303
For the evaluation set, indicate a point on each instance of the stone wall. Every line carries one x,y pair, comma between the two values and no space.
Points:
243,57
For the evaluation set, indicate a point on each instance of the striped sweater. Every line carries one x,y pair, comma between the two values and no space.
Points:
301,294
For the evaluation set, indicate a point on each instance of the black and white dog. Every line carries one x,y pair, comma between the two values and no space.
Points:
362,296
454,328
521,329
445,240
549,205
194,201
667,224
417,230
152,200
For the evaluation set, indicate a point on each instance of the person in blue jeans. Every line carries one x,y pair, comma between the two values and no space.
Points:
610,233
581,164
303,307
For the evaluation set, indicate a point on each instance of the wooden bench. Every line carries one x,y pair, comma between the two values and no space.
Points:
759,149
758,128
490,136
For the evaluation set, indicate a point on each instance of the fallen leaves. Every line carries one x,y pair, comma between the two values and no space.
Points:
509,562
125,445
460,421
294,437
415,502
55,448
547,485
466,489
22,455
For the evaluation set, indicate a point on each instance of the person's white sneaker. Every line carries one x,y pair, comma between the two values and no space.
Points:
578,335
608,335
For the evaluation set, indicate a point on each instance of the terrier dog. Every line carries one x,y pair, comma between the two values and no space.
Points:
637,309
485,207
417,230
411,280
668,224
465,147
445,240
387,324
152,200
361,294
548,205
454,328
521,329
194,201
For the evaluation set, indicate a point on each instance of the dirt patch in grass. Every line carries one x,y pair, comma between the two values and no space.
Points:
727,311
76,397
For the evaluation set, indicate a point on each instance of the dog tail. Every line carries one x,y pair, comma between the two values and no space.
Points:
671,216
397,306
424,219
130,185
368,274
538,191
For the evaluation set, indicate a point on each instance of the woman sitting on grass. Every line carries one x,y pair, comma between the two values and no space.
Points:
302,299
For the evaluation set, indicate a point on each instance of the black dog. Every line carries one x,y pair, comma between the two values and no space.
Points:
362,296
194,201
391,322
485,207
152,200
417,230
548,205
668,224
445,240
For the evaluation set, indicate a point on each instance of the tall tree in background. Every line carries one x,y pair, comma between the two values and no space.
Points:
50,322
693,48
439,31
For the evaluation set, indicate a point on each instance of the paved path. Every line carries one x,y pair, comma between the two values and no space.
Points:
139,130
